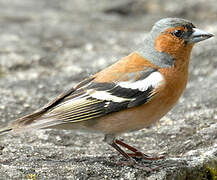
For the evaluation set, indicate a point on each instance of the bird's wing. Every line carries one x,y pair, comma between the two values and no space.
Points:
91,99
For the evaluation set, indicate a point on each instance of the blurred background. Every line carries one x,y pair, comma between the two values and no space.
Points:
47,46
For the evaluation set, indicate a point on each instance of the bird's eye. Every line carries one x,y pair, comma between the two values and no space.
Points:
178,33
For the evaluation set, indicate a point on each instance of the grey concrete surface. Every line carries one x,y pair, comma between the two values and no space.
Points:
47,46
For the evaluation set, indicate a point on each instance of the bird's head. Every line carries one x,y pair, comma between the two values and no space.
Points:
172,39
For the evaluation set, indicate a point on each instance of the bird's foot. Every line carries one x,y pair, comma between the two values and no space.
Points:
136,153
141,155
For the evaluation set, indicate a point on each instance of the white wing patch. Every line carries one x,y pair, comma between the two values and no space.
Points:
154,80
104,95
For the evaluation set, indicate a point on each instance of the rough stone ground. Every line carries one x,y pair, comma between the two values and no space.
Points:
48,46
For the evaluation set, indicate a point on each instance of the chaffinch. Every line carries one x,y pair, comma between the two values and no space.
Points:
129,95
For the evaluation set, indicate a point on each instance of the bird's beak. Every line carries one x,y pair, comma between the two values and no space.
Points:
199,35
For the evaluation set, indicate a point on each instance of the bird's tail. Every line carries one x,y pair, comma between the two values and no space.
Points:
30,122
5,130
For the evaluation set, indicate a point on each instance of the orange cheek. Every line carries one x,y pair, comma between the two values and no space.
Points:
167,43
175,48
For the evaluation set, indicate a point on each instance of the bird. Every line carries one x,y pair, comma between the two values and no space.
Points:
131,94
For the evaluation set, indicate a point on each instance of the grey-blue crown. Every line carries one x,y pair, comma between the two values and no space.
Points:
166,23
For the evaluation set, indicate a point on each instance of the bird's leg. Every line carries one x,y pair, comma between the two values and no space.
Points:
137,153
130,161
110,139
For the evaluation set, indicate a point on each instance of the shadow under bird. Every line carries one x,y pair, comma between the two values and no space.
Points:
129,95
